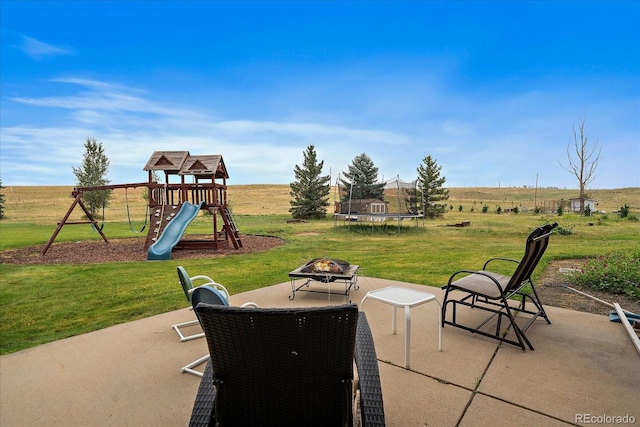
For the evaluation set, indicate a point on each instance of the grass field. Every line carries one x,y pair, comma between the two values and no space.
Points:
41,303
47,205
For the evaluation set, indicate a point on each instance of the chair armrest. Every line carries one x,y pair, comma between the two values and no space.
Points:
202,277
484,267
250,305
210,282
202,412
371,405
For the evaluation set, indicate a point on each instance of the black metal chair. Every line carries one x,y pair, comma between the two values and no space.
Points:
288,367
489,291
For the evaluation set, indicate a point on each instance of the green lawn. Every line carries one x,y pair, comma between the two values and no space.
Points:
42,303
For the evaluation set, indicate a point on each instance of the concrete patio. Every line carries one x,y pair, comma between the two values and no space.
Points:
584,370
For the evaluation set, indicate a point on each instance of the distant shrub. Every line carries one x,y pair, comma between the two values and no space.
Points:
485,208
624,211
614,273
564,230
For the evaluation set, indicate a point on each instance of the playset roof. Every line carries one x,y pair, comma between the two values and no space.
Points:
204,165
183,163
170,161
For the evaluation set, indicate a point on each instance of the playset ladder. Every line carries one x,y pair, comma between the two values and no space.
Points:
231,228
159,217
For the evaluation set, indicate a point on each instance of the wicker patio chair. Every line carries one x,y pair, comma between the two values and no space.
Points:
490,291
288,367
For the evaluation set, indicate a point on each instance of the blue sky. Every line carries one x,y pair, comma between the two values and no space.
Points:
491,90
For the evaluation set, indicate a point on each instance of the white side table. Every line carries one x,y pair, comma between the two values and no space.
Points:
404,297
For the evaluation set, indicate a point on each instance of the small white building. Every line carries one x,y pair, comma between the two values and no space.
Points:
588,203
362,210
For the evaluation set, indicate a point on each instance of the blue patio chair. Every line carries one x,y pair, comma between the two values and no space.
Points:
187,283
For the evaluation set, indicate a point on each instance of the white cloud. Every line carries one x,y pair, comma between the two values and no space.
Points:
101,96
504,141
40,50
131,127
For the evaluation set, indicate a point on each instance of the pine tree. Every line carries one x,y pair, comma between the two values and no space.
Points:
430,184
363,174
310,191
93,172
411,201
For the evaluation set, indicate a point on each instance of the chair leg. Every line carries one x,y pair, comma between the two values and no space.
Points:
504,310
538,304
189,368
443,309
183,337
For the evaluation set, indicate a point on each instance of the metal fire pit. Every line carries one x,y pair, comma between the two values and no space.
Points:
325,270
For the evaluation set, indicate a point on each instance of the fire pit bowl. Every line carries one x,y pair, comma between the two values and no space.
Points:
325,265
325,270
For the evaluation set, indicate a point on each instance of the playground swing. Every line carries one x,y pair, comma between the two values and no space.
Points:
146,216
93,224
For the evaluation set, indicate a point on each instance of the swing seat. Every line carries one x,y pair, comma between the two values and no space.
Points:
146,215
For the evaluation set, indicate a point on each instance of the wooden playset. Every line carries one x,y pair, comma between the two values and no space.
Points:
172,206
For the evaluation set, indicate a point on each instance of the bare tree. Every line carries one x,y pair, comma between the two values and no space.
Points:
583,162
